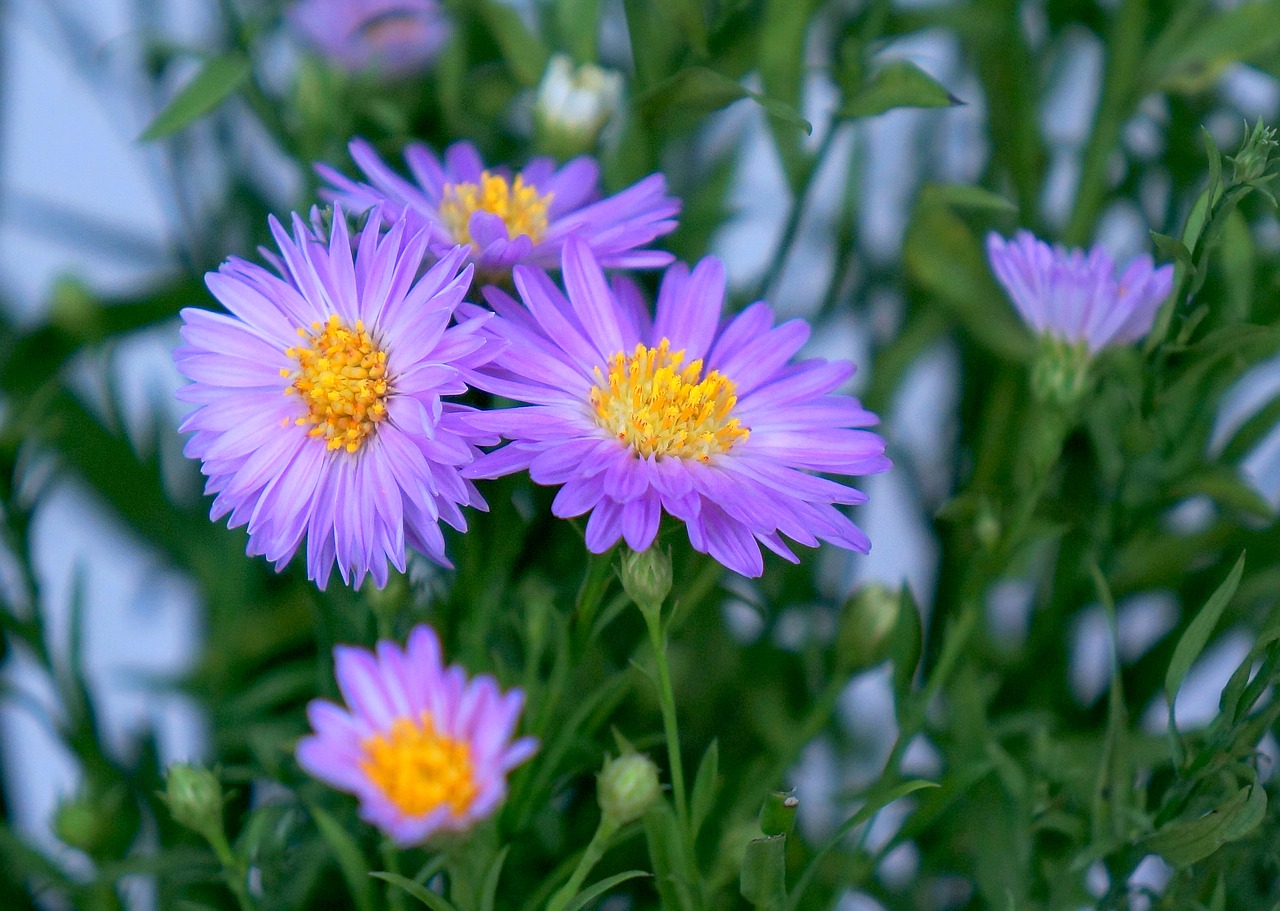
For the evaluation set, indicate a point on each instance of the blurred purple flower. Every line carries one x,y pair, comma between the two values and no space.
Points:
392,37
1077,297
318,398
507,219
422,747
712,423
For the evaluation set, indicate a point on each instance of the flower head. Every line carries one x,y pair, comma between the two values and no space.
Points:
712,423
1077,297
423,748
318,398
504,218
393,37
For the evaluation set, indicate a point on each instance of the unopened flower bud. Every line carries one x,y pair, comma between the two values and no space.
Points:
574,104
646,577
627,787
1060,375
100,821
194,796
865,634
1253,160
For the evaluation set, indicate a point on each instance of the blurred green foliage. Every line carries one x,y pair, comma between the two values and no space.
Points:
1038,801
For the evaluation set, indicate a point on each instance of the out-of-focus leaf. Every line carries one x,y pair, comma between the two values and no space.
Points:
523,51
705,785
489,892
1225,486
1193,61
578,22
764,873
216,81
907,644
351,861
417,890
1198,632
1171,248
592,892
778,813
1185,842
697,91
781,61
689,20
667,854
900,84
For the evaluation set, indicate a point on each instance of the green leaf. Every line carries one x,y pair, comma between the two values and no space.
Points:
688,18
591,893
764,873
705,785
351,860
417,890
578,22
489,893
696,91
1197,634
214,84
524,52
778,813
1185,842
1194,61
1171,248
899,84
907,644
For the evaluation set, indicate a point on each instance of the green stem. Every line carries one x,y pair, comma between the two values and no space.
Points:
1119,92
590,857
391,861
233,871
667,700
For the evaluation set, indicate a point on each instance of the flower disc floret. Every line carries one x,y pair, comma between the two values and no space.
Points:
424,748
520,206
342,377
419,768
659,406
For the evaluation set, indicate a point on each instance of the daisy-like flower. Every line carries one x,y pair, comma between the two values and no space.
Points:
391,37
506,218
712,423
318,398
423,748
1077,297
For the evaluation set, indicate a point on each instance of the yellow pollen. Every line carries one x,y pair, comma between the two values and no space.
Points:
658,407
420,769
520,206
342,378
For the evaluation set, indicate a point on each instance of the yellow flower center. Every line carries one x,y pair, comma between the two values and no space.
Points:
342,377
520,206
419,769
657,407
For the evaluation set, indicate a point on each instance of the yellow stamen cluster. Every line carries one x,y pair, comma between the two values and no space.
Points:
419,769
342,377
521,207
658,407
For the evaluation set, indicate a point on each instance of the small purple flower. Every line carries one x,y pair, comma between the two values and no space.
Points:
710,422
392,37
423,748
1077,297
507,219
318,398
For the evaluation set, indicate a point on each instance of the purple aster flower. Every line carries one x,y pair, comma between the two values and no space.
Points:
423,748
1075,296
711,422
393,37
507,219
318,398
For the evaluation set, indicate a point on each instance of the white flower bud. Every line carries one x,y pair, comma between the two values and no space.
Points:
574,104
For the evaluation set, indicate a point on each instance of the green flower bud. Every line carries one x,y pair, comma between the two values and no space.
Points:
101,822
865,635
1253,160
646,577
1060,375
627,787
194,796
